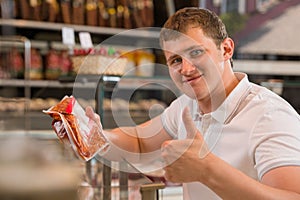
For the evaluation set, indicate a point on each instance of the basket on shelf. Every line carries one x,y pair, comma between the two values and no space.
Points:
99,64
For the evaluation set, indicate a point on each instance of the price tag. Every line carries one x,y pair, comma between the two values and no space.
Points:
85,40
68,36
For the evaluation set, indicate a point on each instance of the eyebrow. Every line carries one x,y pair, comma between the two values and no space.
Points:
185,50
171,58
192,47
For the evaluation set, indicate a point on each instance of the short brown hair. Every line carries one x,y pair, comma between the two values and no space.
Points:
184,18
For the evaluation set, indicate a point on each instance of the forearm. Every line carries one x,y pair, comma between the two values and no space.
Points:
230,183
123,144
145,138
124,138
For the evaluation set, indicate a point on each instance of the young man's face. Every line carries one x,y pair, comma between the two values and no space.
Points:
195,64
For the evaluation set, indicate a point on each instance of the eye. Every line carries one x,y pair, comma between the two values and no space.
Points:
175,62
196,52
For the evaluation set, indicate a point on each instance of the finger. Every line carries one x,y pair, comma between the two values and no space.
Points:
167,175
165,144
93,116
166,159
167,154
89,112
190,127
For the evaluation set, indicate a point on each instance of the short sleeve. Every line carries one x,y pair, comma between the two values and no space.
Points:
277,139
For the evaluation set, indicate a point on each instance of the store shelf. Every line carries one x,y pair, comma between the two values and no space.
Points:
260,67
157,83
288,84
33,83
40,134
141,37
140,32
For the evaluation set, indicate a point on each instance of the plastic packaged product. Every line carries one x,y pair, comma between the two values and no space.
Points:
74,128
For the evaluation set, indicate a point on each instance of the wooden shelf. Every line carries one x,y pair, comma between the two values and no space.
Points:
149,33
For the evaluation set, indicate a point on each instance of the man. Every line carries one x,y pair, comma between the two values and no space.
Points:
224,138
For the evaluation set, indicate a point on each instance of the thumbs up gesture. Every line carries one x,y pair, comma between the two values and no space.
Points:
184,159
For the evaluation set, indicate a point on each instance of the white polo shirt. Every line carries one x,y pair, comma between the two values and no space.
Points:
254,130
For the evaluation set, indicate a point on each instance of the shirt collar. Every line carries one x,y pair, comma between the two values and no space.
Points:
222,113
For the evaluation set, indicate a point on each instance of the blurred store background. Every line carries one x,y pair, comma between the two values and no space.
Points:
44,57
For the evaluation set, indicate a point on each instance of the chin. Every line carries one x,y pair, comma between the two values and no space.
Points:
190,94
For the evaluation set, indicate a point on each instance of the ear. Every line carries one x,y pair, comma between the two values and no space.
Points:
228,48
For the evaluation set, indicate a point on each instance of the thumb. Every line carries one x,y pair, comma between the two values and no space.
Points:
190,127
192,132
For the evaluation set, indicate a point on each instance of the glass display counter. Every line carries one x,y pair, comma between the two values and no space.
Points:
96,180
33,166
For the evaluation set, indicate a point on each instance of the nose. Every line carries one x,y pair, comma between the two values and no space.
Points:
187,67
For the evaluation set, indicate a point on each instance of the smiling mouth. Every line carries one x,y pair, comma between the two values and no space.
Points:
189,80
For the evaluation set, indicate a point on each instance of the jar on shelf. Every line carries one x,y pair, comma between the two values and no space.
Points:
36,70
53,69
65,63
16,63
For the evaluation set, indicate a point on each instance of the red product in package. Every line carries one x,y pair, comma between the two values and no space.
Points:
73,127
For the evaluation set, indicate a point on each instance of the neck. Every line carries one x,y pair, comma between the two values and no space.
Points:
217,97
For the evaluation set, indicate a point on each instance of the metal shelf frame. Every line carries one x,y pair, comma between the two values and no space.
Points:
157,83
